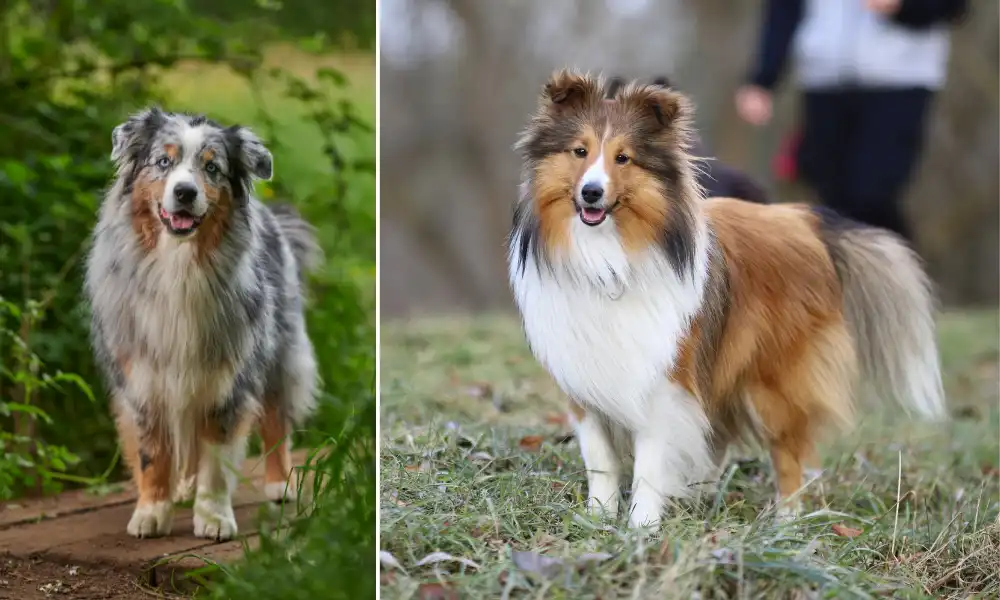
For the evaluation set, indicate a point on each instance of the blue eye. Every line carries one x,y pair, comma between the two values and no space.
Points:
164,162
211,168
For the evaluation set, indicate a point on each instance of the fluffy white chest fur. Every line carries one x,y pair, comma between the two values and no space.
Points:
606,327
181,304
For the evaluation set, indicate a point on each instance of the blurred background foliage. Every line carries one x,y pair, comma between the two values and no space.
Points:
302,74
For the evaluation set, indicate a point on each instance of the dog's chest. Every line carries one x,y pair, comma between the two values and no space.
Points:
188,344
603,351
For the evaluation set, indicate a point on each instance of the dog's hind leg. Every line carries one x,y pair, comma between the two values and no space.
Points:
290,399
275,433
812,392
146,448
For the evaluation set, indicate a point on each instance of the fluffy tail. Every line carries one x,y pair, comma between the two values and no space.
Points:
890,307
301,237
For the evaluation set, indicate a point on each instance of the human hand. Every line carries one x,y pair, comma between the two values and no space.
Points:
754,104
886,8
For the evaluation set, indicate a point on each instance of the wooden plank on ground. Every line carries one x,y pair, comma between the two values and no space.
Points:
79,501
96,533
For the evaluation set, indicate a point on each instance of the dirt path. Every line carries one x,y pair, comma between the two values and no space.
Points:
74,545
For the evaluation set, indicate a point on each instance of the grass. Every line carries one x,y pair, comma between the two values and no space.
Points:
476,464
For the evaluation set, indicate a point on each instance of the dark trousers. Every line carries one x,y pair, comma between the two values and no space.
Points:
859,148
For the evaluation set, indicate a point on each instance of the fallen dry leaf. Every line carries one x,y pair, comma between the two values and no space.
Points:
557,418
539,564
991,471
591,558
480,390
531,443
436,591
436,557
845,531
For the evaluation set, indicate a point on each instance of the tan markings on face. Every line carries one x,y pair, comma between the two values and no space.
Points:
642,209
146,194
171,150
554,185
216,221
553,199
208,155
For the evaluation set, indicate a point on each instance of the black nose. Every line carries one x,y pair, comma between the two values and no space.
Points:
185,193
592,192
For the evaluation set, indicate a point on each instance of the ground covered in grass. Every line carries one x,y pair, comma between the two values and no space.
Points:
482,489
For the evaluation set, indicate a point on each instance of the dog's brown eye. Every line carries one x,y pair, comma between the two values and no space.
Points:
580,152
621,159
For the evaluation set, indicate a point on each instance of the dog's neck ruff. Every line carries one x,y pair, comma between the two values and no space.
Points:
606,323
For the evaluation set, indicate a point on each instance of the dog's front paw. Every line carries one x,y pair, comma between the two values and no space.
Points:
151,519
645,515
214,520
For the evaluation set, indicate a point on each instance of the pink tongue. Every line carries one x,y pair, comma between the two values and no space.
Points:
181,221
592,214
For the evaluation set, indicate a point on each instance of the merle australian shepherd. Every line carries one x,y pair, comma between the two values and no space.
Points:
197,302
678,325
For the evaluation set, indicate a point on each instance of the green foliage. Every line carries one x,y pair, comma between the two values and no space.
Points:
26,462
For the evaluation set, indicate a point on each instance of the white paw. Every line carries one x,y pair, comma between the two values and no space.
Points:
644,516
788,510
811,474
151,520
185,489
214,520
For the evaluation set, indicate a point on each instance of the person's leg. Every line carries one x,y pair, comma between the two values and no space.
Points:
888,148
827,130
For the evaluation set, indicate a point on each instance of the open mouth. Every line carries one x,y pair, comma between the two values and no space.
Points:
594,215
180,223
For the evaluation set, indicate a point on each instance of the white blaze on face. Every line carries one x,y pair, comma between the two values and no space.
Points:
191,141
595,174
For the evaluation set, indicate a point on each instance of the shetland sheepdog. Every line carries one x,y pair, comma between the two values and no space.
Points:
716,178
679,325
197,316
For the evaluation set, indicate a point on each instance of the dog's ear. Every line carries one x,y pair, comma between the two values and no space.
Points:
665,107
127,138
567,90
253,154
